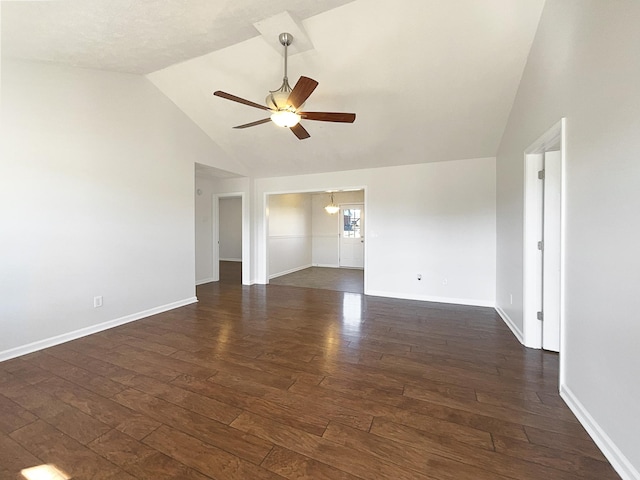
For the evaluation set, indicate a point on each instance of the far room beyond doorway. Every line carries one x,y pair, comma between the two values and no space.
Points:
305,241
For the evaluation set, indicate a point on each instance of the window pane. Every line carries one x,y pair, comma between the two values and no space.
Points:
351,223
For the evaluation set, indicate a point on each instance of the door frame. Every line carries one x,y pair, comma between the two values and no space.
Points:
553,139
215,213
262,247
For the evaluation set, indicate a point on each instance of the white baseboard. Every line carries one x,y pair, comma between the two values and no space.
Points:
429,298
328,265
204,280
83,332
618,460
512,326
287,272
230,259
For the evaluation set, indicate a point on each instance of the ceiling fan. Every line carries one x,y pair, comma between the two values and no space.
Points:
285,103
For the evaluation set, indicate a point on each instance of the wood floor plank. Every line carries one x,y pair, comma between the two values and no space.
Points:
78,375
507,412
206,406
585,466
406,455
13,416
75,423
561,412
566,443
466,426
235,442
14,457
204,457
54,447
497,462
355,462
103,409
267,382
292,465
140,460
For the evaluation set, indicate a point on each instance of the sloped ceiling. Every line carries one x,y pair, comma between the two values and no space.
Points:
429,80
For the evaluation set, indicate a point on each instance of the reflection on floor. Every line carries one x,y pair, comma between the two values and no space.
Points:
340,279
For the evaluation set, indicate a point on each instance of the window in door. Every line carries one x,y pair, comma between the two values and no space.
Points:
351,219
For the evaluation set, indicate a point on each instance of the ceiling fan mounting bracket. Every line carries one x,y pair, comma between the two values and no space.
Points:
285,39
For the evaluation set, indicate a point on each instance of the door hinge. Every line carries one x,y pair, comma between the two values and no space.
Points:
541,175
540,245
539,316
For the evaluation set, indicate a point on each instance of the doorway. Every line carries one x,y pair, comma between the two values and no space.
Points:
228,241
303,239
543,241
352,235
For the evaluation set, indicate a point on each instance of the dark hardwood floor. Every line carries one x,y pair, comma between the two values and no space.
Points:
230,272
268,382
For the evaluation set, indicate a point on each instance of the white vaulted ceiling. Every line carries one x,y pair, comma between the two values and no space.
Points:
429,80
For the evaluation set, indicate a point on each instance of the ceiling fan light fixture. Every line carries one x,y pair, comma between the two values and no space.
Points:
286,103
285,118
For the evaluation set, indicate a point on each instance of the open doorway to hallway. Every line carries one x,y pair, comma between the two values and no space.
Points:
229,242
222,230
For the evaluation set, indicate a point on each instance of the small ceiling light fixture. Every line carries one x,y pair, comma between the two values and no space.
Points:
332,208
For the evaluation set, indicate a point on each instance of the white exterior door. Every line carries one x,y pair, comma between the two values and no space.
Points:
352,236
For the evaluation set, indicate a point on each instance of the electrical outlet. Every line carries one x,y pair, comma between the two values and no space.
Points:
419,276
97,301
511,298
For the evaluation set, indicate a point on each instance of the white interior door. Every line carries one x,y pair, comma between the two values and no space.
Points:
543,242
352,236
551,287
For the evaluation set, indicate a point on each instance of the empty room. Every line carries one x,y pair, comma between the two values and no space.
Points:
336,239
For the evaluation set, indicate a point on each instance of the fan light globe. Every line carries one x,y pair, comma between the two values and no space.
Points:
285,118
284,114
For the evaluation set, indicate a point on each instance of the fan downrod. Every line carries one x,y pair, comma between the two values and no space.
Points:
277,98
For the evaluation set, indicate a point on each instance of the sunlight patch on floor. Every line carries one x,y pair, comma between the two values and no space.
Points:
44,472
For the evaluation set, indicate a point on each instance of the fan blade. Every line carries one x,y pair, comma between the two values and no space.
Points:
329,116
301,91
253,124
233,98
299,131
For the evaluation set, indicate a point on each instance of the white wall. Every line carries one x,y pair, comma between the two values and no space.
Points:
585,66
97,173
289,233
437,219
230,210
204,230
325,228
